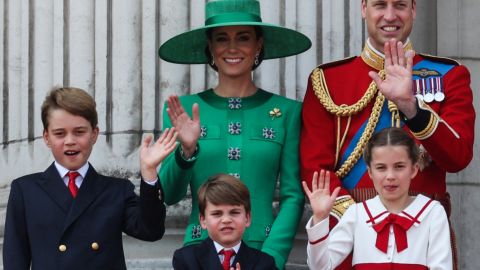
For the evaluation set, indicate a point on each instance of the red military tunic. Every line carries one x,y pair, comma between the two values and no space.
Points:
445,129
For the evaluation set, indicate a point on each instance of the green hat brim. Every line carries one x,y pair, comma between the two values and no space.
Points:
189,47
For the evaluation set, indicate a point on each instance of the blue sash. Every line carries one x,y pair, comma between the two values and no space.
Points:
360,168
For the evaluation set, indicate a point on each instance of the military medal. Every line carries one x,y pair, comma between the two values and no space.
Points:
428,97
427,91
417,89
439,95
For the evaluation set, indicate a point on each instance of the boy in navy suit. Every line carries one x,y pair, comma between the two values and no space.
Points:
69,216
224,207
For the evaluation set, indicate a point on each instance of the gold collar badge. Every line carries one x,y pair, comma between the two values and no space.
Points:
374,58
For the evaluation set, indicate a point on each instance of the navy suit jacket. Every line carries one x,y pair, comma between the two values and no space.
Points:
47,229
204,256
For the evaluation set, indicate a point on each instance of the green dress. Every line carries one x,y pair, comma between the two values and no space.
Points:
255,139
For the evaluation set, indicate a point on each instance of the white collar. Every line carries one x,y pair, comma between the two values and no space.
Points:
219,247
420,207
63,171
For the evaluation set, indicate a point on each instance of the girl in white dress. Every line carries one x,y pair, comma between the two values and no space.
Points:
391,231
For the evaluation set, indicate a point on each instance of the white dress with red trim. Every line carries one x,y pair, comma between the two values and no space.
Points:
416,238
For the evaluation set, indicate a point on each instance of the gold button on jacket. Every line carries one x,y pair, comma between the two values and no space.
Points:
95,246
62,248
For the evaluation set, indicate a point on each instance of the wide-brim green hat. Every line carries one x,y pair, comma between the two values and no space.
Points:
189,47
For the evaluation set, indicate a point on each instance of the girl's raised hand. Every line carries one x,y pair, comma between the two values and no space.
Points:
320,199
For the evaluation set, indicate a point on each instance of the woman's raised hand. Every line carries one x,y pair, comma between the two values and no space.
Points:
320,199
188,129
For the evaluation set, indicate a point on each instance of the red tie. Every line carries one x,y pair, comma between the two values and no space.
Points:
71,183
400,228
227,255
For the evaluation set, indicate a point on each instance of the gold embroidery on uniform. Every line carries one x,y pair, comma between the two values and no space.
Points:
341,205
366,135
340,142
425,73
392,107
322,93
432,123
373,59
428,130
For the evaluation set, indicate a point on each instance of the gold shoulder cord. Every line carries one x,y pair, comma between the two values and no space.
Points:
321,91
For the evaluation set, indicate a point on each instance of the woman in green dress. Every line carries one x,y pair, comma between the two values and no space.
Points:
235,127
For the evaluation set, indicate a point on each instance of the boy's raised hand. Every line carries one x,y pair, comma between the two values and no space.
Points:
237,267
151,155
188,128
319,197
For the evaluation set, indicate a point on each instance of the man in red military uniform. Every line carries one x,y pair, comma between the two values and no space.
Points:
347,101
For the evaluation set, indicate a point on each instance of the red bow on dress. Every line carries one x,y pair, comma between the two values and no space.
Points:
400,228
